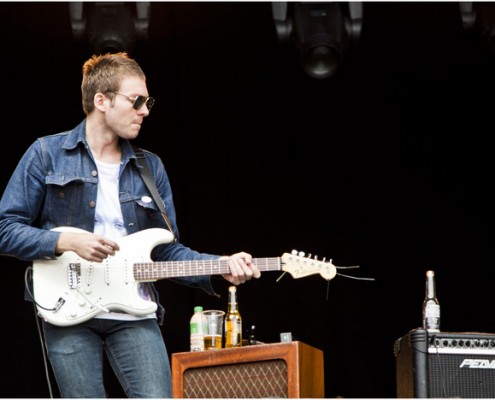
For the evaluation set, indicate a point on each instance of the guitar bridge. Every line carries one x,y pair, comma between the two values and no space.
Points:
74,275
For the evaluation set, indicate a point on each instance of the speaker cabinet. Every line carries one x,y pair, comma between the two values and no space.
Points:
445,364
280,370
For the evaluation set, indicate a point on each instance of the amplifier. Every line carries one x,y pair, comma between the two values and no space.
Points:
278,370
445,364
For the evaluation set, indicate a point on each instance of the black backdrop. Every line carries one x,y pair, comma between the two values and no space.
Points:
387,165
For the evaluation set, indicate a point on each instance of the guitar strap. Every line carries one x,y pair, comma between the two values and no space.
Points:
145,172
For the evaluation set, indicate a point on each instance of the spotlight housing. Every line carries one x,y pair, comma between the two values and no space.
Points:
320,32
110,27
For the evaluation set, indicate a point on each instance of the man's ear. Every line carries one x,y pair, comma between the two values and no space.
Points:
101,102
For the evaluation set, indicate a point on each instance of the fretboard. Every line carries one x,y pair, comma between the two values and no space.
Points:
147,271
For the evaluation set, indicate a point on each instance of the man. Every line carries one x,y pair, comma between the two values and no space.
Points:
88,178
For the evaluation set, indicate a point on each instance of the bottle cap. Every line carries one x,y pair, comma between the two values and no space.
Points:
198,308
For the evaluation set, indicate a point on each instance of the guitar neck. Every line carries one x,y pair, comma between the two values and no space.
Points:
152,271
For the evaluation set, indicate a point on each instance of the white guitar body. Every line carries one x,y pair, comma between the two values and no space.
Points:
79,289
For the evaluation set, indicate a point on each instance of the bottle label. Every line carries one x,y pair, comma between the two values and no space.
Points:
233,333
432,317
195,328
432,311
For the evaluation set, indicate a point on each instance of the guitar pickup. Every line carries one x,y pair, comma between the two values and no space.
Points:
74,275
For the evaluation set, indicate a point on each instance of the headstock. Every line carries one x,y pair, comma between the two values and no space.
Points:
300,266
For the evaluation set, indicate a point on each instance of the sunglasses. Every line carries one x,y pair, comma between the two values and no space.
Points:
138,101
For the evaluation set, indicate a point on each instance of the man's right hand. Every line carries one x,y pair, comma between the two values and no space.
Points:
87,245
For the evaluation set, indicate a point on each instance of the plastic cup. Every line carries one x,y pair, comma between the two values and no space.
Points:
214,329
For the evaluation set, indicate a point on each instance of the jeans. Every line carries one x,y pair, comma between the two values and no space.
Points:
135,349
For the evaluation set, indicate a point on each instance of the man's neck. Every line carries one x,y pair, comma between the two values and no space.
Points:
103,143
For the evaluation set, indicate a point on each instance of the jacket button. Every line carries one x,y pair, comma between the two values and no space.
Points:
94,172
92,204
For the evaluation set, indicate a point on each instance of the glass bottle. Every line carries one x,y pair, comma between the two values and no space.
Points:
233,321
431,305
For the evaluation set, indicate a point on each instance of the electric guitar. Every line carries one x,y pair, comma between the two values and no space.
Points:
71,290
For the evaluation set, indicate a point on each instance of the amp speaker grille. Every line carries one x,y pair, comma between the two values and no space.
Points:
266,379
446,379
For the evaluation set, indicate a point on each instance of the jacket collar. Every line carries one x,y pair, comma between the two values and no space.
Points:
78,136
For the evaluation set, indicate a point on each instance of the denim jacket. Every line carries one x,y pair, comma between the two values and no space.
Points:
55,184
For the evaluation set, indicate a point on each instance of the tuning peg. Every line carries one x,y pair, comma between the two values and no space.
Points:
301,254
294,252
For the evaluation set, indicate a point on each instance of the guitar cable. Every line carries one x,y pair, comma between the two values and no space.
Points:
27,276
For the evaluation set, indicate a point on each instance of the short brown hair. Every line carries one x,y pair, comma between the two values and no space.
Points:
104,73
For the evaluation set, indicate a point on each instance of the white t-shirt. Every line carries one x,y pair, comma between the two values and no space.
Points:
109,222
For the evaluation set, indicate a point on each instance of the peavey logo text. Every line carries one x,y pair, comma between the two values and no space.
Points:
478,364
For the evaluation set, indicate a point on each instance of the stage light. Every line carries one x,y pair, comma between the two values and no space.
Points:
468,14
479,18
109,27
321,32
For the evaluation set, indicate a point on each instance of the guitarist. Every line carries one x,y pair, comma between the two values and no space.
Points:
87,178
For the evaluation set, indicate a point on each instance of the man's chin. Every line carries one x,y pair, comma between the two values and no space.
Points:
134,132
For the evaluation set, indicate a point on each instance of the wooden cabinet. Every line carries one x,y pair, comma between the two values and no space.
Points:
280,370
